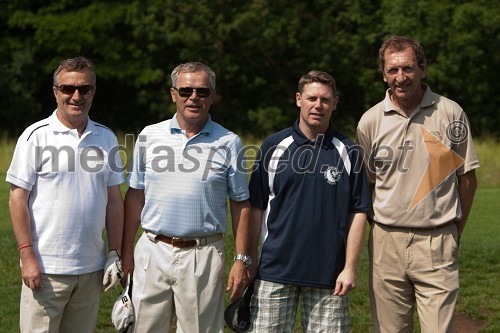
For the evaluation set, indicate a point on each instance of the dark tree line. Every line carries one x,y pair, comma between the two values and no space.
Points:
258,49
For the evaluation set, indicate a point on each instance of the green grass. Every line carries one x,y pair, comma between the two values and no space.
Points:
479,261
6,151
479,256
479,265
488,151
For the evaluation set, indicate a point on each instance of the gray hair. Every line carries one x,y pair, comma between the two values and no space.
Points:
192,67
77,64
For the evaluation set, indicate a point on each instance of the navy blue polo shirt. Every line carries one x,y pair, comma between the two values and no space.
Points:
307,190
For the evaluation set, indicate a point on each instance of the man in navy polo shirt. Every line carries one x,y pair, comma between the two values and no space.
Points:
309,195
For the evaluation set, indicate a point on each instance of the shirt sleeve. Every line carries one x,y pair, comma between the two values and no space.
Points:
259,180
22,171
115,165
364,146
137,169
460,133
237,175
360,200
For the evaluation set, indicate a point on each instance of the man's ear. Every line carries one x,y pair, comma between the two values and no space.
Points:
54,89
424,71
383,75
172,94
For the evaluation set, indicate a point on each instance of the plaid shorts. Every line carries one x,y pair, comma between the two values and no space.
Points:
274,306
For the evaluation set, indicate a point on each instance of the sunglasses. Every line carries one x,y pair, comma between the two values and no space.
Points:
70,90
188,91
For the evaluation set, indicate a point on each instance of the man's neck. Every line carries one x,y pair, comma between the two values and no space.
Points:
79,124
191,129
311,133
408,105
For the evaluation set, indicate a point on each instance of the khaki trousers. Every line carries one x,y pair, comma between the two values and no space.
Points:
64,303
413,266
189,282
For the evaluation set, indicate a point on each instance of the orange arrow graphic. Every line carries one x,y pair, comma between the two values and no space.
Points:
443,162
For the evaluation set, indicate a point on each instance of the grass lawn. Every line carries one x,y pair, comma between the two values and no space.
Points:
479,256
479,264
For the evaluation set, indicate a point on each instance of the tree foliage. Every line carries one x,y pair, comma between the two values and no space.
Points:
258,49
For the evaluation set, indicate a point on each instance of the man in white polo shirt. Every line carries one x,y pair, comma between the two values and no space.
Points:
65,181
183,170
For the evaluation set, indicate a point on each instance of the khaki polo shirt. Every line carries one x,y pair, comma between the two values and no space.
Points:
412,162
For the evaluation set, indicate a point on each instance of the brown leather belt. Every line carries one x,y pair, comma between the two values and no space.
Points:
184,243
416,228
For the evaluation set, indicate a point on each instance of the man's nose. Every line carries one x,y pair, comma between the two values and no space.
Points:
401,76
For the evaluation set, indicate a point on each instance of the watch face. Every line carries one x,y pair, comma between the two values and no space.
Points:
246,259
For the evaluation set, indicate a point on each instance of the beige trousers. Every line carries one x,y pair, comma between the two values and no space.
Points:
413,266
64,303
189,282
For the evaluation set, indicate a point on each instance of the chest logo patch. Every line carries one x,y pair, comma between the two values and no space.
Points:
332,175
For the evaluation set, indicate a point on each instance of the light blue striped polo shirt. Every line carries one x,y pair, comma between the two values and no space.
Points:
186,181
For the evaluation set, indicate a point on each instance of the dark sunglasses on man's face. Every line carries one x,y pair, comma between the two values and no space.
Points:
188,91
68,89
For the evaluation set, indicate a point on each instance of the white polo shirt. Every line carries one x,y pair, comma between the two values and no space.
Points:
68,178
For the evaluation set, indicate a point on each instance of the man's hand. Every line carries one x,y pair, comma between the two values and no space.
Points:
30,269
238,280
345,283
127,265
112,271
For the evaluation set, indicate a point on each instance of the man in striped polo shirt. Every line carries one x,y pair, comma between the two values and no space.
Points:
183,170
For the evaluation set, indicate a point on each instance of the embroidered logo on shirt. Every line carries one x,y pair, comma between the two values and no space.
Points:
332,175
437,134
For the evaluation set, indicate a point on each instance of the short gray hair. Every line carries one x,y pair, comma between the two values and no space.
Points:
77,64
193,67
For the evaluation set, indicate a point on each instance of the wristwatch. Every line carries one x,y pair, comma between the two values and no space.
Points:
246,259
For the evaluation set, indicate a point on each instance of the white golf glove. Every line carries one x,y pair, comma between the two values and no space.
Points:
112,271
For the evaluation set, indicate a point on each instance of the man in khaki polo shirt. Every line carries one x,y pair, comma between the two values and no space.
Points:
421,165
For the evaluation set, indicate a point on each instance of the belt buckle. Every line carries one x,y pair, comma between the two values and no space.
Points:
152,237
175,239
201,241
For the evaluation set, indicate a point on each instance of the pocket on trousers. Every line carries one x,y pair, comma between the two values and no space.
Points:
218,253
444,248
142,253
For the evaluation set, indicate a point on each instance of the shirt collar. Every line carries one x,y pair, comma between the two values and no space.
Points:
175,127
301,139
428,99
58,126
